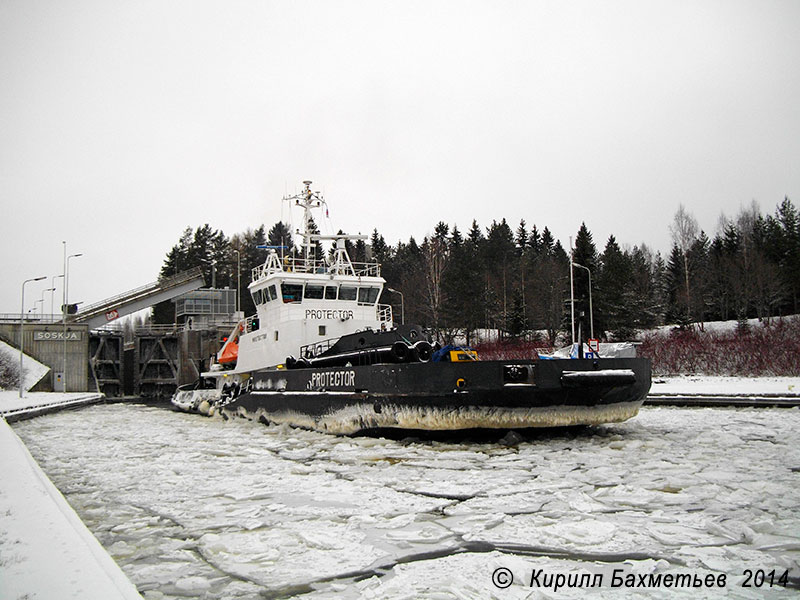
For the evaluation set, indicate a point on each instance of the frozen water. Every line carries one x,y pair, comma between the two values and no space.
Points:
198,507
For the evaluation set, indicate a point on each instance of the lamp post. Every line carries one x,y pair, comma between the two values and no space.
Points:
53,292
22,332
238,281
65,310
402,305
571,291
42,300
591,315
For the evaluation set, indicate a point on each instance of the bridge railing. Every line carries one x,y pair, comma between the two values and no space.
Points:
162,284
30,318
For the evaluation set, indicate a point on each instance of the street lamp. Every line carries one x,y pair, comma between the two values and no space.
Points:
66,277
591,316
22,332
402,306
238,281
42,300
53,292
65,310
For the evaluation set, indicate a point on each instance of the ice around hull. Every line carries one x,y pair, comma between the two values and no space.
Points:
492,395
361,417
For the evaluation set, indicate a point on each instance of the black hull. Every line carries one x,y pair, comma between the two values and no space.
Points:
446,396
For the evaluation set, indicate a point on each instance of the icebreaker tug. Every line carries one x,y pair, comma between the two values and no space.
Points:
321,353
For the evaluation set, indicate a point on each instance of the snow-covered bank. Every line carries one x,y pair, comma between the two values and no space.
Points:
33,371
46,552
12,407
703,384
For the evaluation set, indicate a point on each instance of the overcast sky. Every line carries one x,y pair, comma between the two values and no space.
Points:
121,123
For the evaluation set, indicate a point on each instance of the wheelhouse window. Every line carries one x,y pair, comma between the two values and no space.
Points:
314,292
273,294
330,292
367,295
347,293
292,292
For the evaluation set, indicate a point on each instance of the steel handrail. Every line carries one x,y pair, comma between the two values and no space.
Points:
135,293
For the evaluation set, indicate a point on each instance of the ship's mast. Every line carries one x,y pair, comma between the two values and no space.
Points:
307,200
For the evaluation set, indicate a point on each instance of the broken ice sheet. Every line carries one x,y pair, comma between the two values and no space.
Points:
236,509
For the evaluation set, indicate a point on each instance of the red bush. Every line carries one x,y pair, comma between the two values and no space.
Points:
512,350
767,349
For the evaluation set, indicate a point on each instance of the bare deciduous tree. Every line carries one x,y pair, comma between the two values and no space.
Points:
684,230
435,256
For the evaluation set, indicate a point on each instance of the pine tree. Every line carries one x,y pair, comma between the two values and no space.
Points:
463,284
614,292
549,289
199,254
280,237
521,238
221,257
698,268
499,256
178,257
547,243
435,260
584,254
646,294
252,257
359,252
518,320
535,241
475,235
380,250
789,248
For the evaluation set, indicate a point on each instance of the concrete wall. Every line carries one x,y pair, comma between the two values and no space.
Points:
46,343
156,366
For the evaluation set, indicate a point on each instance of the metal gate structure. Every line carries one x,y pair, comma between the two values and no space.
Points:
156,365
105,363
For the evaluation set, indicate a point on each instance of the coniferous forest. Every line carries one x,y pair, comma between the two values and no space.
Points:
515,279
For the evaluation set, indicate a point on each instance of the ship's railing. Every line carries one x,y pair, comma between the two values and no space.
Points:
384,313
301,265
313,350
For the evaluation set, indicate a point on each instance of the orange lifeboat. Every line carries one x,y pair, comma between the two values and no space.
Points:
229,353
230,350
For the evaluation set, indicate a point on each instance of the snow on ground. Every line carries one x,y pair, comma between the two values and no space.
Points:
697,384
729,326
10,400
46,552
32,368
198,507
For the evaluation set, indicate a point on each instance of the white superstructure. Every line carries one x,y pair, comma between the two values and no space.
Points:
309,302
